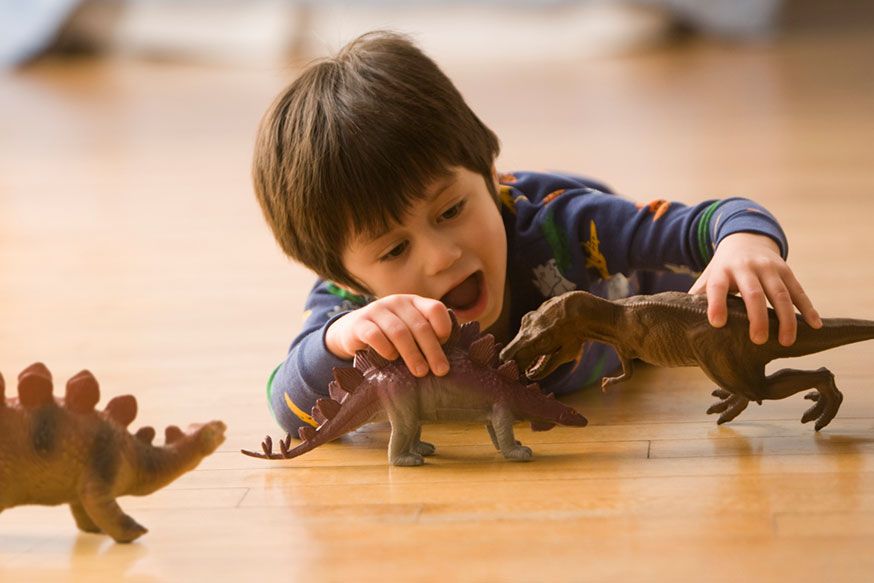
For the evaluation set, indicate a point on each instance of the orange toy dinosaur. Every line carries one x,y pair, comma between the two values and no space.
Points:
63,451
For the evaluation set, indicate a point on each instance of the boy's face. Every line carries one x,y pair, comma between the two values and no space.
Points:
451,246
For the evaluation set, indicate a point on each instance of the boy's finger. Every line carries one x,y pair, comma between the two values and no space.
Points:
370,334
782,302
757,309
700,285
425,336
402,338
802,301
717,292
437,314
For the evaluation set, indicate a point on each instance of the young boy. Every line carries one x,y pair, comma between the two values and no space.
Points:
373,172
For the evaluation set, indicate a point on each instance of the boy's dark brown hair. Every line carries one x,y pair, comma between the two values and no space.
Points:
353,141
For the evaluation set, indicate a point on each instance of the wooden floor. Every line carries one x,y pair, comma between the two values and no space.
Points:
131,245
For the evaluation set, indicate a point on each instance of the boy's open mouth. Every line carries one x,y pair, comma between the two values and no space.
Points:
465,295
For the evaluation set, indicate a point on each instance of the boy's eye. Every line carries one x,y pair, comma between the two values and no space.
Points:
454,210
395,252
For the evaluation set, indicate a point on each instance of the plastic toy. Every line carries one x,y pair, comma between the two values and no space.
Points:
476,388
672,329
63,451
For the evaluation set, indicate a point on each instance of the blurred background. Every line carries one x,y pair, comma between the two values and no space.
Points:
253,32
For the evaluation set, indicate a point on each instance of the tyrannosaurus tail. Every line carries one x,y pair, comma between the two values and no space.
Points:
834,332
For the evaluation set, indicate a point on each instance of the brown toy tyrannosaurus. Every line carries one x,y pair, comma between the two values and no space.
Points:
672,329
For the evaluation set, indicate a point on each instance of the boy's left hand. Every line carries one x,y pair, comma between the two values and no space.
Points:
751,264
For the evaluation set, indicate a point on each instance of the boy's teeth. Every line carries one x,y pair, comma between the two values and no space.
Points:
464,294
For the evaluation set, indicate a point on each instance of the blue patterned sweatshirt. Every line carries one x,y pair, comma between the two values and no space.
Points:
564,233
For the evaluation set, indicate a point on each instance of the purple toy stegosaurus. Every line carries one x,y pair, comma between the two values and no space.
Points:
477,388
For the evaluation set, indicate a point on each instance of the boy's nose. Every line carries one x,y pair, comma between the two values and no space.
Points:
442,254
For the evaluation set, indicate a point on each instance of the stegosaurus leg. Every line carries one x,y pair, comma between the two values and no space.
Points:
491,429
405,431
501,431
423,447
83,521
106,514
827,398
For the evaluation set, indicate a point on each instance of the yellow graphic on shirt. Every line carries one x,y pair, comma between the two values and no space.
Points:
506,196
594,258
298,412
306,315
553,195
657,207
507,178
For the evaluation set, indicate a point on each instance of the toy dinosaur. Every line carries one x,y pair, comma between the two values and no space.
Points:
672,329
62,451
476,388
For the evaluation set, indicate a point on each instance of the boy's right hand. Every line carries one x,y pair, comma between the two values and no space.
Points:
406,325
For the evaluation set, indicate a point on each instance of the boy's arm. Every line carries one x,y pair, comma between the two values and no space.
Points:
594,235
303,377
614,235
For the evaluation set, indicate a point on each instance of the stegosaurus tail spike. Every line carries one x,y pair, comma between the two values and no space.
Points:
483,350
122,410
83,392
336,392
35,386
368,359
145,434
172,434
306,433
348,379
509,370
325,409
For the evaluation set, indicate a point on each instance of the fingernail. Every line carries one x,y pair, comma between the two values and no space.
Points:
421,370
441,369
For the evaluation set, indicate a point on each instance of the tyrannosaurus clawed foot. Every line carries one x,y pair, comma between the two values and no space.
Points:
729,404
825,407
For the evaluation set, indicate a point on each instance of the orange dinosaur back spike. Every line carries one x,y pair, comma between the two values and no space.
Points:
172,434
145,434
35,386
325,409
483,351
83,392
36,368
122,409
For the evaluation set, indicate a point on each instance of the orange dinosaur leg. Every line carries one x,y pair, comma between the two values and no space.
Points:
83,521
109,517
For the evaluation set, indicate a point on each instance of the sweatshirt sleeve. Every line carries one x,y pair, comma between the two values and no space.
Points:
592,235
303,377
